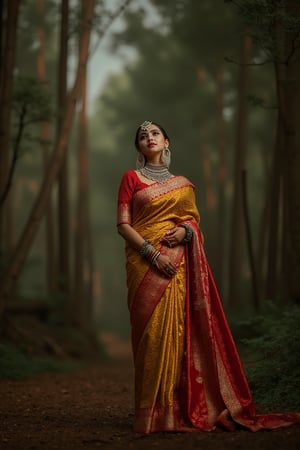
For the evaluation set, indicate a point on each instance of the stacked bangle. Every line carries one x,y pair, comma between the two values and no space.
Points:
148,252
189,233
143,249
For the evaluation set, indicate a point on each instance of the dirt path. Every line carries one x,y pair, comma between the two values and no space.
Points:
92,409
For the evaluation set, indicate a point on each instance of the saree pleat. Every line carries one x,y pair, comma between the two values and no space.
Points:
188,374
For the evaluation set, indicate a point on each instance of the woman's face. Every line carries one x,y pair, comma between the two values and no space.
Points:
151,142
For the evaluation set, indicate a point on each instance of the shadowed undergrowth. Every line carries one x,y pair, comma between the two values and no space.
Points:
16,364
272,356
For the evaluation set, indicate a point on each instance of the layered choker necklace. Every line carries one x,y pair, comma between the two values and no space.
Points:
156,173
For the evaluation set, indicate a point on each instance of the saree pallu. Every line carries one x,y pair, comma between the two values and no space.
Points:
188,374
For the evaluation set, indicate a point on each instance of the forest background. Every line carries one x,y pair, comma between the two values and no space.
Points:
77,78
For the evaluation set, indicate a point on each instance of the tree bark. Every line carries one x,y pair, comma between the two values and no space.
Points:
83,276
90,265
38,210
63,181
288,95
256,296
6,88
236,232
221,145
80,230
45,137
274,219
291,99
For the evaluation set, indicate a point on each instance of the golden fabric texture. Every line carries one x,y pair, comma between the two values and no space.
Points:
159,358
157,304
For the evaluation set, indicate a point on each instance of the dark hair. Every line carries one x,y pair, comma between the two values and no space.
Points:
136,141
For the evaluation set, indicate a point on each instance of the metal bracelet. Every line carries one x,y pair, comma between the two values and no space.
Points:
143,249
188,231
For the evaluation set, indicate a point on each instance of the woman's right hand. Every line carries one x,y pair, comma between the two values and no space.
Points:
166,266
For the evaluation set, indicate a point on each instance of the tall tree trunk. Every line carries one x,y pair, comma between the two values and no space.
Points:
274,217
1,38
221,145
288,94
80,231
209,196
38,210
83,246
63,265
90,265
256,295
236,233
45,137
291,99
209,204
6,88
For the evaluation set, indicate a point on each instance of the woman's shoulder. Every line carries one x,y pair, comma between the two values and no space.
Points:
130,176
130,173
185,181
129,180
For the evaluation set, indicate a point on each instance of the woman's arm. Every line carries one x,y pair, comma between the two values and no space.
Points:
131,236
135,240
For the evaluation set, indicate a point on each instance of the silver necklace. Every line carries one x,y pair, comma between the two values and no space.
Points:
156,173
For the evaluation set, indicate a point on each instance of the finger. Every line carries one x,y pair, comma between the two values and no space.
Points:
171,269
172,231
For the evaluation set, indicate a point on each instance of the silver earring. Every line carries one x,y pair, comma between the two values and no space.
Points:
166,157
140,161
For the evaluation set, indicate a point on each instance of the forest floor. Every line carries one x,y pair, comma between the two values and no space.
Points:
92,408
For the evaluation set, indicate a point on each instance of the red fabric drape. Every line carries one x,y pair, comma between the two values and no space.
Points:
217,391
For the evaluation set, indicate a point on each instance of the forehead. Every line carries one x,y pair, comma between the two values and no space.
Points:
149,129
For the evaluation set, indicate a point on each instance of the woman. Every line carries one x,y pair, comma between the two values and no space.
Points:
188,374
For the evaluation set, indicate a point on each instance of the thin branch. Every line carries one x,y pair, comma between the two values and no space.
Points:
15,156
294,48
114,16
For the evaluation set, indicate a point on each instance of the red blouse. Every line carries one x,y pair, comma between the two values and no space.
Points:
130,184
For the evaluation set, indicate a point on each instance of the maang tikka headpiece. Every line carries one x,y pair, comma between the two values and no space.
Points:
145,125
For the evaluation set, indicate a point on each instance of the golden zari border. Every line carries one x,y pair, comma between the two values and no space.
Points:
124,214
157,189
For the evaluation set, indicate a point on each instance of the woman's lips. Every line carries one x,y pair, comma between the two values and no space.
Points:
152,144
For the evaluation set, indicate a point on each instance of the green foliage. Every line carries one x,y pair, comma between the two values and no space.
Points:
16,364
32,104
273,369
266,19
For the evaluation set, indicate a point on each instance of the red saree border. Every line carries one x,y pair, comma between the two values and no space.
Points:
149,294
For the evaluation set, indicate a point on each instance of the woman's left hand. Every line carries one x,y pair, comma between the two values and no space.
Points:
174,237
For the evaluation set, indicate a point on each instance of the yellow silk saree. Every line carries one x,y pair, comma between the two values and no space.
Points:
188,374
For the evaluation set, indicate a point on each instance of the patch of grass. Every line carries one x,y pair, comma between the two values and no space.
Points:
15,364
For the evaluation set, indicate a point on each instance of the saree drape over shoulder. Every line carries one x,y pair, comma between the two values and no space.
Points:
188,374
